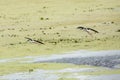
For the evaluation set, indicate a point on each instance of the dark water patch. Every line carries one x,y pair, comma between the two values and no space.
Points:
104,61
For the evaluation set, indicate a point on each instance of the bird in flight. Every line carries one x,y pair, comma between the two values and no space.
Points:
87,30
33,41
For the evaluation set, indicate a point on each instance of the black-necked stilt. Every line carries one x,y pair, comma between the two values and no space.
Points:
87,30
33,41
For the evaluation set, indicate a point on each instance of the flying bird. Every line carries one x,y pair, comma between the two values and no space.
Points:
87,30
33,41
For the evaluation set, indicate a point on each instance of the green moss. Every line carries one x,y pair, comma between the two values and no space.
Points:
63,36
31,49
67,79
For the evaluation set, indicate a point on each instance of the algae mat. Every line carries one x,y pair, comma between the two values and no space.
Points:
54,23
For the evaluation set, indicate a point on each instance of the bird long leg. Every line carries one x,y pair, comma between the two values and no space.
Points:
88,33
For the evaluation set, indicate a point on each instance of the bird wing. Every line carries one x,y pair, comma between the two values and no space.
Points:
28,38
84,29
80,27
34,40
93,30
38,42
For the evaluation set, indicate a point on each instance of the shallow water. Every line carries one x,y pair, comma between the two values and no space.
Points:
100,77
73,54
58,74
98,58
43,74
